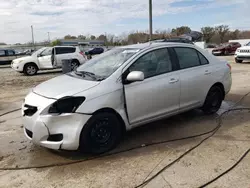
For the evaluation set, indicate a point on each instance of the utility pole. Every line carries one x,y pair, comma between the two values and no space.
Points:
150,21
48,37
33,43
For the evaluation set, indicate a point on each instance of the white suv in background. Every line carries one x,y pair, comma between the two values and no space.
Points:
48,58
242,53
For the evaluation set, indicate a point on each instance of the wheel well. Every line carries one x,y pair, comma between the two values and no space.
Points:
110,110
31,63
220,85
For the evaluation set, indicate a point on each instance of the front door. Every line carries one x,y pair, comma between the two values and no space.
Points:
44,59
158,94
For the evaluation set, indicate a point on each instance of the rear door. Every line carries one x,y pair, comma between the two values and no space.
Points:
195,77
64,53
158,94
4,57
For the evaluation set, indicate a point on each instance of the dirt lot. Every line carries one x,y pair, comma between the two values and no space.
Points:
131,168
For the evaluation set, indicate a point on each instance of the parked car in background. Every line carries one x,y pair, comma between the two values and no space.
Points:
123,88
226,48
7,55
95,51
210,45
242,54
48,58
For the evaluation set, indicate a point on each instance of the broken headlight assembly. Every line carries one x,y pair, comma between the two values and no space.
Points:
66,105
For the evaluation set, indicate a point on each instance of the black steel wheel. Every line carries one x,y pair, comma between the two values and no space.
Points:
213,100
101,133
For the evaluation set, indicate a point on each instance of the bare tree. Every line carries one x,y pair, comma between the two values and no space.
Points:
222,31
208,33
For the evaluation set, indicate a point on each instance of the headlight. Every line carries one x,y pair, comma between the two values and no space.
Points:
66,105
17,61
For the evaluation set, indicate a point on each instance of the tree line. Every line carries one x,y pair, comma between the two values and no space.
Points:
216,35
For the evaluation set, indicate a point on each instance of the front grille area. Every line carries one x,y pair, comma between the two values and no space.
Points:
245,51
55,137
29,133
30,110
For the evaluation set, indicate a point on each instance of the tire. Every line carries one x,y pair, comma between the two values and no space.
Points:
213,100
238,61
102,133
74,64
30,69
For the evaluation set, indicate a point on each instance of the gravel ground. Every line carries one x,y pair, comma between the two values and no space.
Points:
14,86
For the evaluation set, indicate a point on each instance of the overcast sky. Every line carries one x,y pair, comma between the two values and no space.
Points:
62,17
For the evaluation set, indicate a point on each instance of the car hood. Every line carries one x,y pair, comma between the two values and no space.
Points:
62,86
244,48
25,58
220,48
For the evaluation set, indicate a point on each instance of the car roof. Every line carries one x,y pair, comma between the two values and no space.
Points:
156,44
66,46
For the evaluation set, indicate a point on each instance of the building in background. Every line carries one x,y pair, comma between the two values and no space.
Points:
75,42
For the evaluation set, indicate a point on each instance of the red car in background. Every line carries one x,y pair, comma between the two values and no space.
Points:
226,48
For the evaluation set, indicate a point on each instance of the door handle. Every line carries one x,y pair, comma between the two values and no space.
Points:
207,72
173,80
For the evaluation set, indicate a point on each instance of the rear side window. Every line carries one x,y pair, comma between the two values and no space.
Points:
2,53
65,50
203,60
11,52
188,57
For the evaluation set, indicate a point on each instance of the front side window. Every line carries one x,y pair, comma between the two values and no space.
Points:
188,57
2,53
46,52
153,63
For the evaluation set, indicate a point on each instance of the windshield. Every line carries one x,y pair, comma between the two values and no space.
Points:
35,53
248,44
105,64
224,45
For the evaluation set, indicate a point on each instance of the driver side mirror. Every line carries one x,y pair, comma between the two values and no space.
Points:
39,55
135,76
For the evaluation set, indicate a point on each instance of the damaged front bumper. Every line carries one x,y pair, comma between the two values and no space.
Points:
56,132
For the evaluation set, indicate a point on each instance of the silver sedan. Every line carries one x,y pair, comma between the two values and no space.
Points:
126,87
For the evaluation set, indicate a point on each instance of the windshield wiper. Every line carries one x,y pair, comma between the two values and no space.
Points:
83,73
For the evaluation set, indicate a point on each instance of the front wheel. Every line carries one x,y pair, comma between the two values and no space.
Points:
213,100
238,61
30,69
101,133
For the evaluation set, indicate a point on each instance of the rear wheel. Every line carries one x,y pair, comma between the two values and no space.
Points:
238,61
30,69
102,133
74,64
213,100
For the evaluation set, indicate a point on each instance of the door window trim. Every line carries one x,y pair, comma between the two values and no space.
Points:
174,65
197,52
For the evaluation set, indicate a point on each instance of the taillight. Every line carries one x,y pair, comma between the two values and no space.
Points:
83,54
